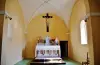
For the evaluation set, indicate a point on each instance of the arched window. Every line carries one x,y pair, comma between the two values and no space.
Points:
83,30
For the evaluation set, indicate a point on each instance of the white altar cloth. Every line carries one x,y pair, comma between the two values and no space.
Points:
47,51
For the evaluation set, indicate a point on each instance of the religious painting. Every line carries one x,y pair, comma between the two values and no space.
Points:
55,52
47,51
58,52
37,52
42,52
50,52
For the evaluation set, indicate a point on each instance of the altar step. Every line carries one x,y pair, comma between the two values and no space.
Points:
27,62
47,62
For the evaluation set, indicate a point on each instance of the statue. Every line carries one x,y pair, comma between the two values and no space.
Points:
47,40
56,41
40,41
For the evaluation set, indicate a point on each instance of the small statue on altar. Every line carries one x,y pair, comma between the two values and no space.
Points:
47,40
40,41
56,41
52,42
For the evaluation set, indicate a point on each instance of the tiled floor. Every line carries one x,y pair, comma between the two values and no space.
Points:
68,62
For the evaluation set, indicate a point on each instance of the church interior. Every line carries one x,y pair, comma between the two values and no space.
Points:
49,32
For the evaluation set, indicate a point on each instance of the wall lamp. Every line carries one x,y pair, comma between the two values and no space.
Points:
6,14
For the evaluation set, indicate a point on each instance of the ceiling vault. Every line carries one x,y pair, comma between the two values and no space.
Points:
32,8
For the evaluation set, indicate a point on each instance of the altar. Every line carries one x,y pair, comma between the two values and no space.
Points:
47,51
47,55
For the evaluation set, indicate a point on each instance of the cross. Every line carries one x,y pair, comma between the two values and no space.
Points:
47,23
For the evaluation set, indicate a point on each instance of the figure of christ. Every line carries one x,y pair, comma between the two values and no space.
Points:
47,23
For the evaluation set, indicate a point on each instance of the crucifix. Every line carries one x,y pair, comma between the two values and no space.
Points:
47,23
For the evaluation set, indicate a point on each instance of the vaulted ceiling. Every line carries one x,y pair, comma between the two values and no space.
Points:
62,8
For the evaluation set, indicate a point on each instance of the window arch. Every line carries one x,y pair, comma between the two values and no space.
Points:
83,31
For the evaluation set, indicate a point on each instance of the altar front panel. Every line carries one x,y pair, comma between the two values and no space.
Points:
47,51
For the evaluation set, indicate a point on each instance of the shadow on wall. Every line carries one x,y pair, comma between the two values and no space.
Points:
31,47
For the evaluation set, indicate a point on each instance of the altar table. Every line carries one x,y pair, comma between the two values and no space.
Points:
47,51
